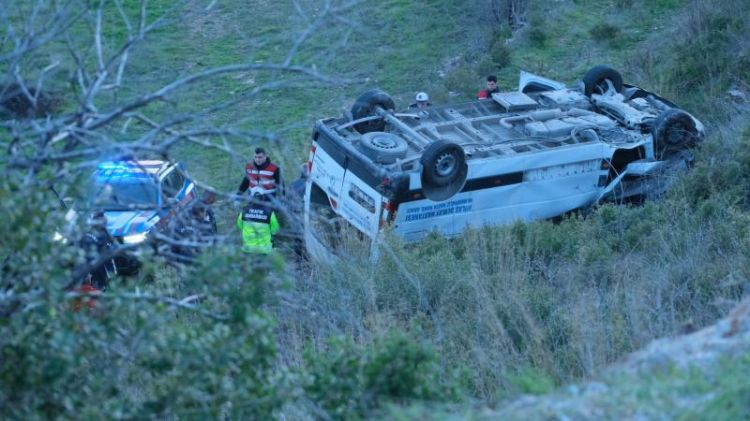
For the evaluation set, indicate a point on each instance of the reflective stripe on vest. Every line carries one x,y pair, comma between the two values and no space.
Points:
261,178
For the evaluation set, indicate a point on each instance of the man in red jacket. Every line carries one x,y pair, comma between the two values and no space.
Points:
491,88
262,173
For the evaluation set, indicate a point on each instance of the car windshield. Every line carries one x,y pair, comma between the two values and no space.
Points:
125,193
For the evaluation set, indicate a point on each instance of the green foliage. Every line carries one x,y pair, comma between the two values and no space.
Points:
604,31
704,56
537,35
132,358
132,355
461,79
730,395
350,380
501,35
725,177
500,54
528,380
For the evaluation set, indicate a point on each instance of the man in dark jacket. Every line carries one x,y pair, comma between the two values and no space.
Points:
491,88
262,173
95,243
203,216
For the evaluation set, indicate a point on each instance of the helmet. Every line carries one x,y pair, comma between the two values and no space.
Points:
422,97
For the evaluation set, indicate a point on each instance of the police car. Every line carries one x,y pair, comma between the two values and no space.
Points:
538,152
138,198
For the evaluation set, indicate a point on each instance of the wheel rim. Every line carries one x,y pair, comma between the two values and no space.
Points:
445,165
603,86
383,142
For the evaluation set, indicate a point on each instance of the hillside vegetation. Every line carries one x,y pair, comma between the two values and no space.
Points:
443,327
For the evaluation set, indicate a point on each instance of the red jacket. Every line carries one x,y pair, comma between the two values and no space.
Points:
486,93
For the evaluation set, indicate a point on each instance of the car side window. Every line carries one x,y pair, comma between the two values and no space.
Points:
173,183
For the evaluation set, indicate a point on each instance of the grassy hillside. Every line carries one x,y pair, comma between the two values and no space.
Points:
525,308
396,46
474,321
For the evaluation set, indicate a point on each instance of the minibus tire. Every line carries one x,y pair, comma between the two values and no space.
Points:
384,148
444,170
365,106
674,130
595,80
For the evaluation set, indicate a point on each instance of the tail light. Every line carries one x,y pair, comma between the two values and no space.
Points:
310,160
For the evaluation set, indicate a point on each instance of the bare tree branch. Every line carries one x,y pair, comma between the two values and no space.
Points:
164,91
184,303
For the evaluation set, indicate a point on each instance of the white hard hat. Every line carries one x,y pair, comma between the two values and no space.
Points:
422,96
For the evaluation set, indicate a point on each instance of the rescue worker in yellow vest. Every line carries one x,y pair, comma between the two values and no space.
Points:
257,223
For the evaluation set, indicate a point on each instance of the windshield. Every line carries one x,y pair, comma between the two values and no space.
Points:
124,194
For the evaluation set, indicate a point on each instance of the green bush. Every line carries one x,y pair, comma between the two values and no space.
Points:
461,79
706,50
133,355
349,380
604,32
730,390
529,380
725,177
500,54
537,35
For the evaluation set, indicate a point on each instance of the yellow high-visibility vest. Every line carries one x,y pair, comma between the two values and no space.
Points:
256,235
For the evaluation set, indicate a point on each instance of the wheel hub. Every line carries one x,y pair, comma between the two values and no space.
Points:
445,165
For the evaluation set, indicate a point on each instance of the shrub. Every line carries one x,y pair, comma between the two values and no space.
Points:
537,36
461,79
500,54
348,380
729,398
707,51
530,380
604,32
134,355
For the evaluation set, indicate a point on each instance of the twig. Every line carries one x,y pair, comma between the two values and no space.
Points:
139,296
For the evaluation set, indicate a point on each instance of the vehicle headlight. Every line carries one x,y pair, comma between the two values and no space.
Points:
134,239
